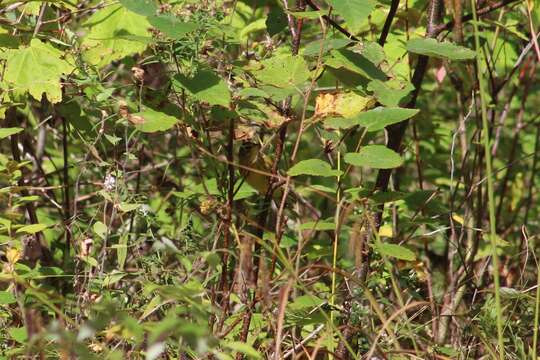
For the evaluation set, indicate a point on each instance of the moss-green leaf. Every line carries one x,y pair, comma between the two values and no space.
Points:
396,251
205,86
313,167
443,50
284,71
114,32
36,69
374,156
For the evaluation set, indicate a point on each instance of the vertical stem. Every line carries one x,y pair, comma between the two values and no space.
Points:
67,202
336,241
489,175
536,312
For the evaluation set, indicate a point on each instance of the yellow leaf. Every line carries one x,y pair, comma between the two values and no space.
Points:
344,104
13,255
386,231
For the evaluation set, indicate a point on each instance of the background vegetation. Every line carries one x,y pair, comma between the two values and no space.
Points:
309,179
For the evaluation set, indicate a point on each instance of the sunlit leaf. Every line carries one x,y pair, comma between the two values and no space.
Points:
284,71
32,229
113,33
150,121
380,117
6,132
36,69
313,167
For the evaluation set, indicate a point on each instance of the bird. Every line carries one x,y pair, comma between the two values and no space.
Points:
254,166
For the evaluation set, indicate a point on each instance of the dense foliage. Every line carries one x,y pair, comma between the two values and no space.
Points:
198,179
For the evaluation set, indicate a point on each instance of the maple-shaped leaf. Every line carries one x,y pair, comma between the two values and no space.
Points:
36,69
114,32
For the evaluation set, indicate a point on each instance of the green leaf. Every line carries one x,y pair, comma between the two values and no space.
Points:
312,15
205,86
313,167
314,47
390,93
355,62
36,69
284,71
243,348
7,298
149,121
255,26
443,50
276,21
395,251
18,334
100,229
374,156
141,7
5,132
380,117
171,26
127,207
318,225
32,229
354,12
114,33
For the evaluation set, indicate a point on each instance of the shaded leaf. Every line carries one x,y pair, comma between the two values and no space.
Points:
443,50
141,7
354,12
314,47
172,26
355,62
390,93
205,86
374,156
396,251
276,21
243,348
